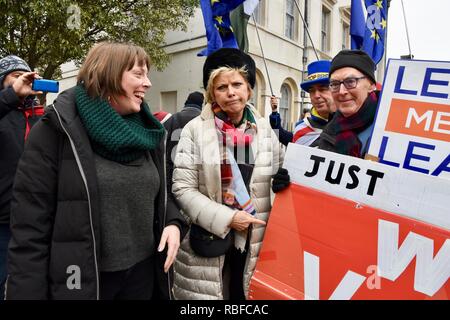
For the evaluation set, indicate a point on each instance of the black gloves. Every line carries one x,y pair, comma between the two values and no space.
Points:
280,180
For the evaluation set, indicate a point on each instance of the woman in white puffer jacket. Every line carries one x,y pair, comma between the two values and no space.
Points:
223,168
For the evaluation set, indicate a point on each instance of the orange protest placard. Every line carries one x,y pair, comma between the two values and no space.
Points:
318,246
348,228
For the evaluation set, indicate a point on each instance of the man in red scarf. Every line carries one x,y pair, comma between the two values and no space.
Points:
353,86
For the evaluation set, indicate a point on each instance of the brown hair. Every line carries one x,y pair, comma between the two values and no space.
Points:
209,94
104,65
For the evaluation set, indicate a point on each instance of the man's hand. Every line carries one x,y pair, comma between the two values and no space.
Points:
242,220
171,236
274,103
22,85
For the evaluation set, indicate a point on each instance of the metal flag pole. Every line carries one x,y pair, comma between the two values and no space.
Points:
407,32
262,51
307,29
386,34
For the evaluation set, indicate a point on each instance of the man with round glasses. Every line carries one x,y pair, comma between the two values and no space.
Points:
353,87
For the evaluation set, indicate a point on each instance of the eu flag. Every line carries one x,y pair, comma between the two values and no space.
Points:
374,27
216,16
357,24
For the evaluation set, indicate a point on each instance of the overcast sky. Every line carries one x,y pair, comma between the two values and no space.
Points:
428,24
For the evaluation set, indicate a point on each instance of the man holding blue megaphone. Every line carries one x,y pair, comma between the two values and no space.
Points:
19,110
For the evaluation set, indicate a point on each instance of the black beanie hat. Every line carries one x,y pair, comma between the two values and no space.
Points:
232,58
195,99
355,59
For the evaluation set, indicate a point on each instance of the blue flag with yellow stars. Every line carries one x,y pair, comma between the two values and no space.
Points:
357,24
219,33
375,29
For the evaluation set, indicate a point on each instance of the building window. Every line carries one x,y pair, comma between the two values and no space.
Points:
325,41
259,13
169,101
290,20
285,103
345,36
254,99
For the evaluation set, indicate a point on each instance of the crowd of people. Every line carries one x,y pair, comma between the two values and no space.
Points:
104,200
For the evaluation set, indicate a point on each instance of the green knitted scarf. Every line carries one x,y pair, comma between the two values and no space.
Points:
115,137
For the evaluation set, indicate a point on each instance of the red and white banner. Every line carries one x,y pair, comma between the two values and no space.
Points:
354,229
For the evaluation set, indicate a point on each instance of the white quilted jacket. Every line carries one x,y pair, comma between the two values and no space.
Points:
197,188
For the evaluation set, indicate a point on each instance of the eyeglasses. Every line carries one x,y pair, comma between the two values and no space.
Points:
349,83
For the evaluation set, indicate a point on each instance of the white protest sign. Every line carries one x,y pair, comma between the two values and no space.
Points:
412,127
410,194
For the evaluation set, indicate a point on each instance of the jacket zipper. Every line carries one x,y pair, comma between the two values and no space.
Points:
221,275
165,206
83,175
6,287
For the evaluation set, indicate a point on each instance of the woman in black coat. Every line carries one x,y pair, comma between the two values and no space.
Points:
91,217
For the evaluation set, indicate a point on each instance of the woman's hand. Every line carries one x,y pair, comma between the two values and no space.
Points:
171,236
242,220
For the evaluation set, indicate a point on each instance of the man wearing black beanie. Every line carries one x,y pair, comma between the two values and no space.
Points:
353,87
194,100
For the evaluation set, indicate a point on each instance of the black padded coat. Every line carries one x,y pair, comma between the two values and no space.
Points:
55,219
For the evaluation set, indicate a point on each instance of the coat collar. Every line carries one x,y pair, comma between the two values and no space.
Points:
207,112
65,105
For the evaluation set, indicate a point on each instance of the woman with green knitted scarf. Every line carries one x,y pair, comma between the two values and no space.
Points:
92,218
